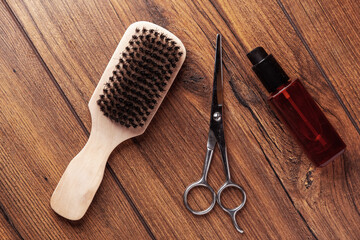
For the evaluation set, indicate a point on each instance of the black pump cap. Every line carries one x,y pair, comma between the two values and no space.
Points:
267,69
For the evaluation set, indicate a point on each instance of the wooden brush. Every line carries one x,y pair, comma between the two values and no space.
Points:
129,93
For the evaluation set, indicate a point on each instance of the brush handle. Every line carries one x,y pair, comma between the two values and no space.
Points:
81,179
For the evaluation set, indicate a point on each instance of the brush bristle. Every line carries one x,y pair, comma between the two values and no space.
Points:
143,71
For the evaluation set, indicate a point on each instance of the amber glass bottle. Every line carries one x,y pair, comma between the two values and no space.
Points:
297,109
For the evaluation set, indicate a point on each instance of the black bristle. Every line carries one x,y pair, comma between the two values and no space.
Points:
144,69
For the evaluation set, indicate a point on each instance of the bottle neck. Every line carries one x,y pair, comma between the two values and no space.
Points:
267,69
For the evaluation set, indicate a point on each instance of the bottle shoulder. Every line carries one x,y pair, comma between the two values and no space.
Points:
284,88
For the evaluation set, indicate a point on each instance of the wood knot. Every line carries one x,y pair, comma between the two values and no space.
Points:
309,178
194,81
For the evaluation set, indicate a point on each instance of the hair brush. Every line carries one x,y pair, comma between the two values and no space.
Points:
129,93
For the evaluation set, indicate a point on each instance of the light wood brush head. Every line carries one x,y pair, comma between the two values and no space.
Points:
130,91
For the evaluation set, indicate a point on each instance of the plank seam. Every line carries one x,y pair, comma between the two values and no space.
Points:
318,65
8,219
132,204
80,122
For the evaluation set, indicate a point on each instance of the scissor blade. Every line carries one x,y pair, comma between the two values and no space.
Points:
218,74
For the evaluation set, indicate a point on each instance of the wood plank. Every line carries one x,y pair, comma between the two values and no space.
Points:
331,29
155,173
39,135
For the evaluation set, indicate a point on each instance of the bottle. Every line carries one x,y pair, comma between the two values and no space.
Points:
297,109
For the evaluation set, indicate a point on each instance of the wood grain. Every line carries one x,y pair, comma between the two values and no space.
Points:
7,229
39,135
287,197
157,175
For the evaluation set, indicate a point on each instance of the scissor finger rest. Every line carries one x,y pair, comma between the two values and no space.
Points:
232,211
200,183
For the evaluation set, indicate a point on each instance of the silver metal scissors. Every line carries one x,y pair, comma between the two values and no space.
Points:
216,135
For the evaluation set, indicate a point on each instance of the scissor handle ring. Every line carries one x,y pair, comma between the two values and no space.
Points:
227,185
200,183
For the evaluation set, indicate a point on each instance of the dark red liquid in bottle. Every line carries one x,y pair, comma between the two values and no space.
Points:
307,122
298,110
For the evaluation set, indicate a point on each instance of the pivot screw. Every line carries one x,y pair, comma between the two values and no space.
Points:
217,116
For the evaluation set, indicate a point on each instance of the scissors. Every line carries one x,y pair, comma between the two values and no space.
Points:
216,135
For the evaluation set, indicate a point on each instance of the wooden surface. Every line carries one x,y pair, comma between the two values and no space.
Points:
52,55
